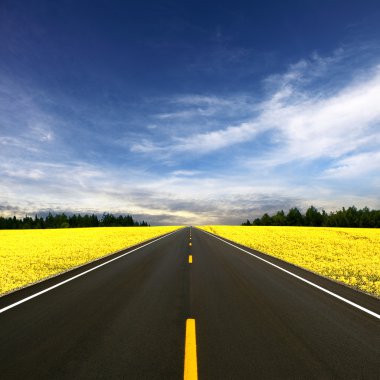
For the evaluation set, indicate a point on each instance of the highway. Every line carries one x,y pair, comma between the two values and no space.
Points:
127,319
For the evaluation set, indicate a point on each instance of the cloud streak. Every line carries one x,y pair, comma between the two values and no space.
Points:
202,158
303,125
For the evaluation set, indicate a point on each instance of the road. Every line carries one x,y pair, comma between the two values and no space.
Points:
126,319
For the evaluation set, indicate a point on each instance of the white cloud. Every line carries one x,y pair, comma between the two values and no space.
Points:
19,143
358,165
200,143
185,173
25,128
147,146
202,100
34,174
306,125
187,113
41,132
211,141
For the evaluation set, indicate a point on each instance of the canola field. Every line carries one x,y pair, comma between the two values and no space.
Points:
28,256
347,255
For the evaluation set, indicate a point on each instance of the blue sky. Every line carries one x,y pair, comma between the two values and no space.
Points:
189,112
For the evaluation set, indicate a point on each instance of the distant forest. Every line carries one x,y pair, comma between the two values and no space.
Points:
350,217
73,221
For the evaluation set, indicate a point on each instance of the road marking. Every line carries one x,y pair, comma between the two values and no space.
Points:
190,244
365,310
191,370
81,274
190,259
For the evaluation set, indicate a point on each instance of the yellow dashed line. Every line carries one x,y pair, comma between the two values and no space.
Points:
191,368
190,259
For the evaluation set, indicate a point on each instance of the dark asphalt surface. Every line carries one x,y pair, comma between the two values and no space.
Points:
126,320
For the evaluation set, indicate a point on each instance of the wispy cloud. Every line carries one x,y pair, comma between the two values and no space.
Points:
25,126
185,173
304,124
186,114
202,106
356,166
206,100
203,158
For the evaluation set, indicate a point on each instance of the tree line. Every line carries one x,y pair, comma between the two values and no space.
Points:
71,221
350,217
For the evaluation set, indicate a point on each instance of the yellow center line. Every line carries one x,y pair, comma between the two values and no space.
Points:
190,244
191,370
190,259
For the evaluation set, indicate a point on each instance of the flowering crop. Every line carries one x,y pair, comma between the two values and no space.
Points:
348,255
27,256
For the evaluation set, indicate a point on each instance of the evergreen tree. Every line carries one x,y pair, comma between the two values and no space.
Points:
294,217
313,217
351,217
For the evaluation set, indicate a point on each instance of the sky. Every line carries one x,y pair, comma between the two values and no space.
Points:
208,112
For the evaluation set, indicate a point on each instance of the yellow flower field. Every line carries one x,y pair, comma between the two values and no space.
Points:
27,256
348,255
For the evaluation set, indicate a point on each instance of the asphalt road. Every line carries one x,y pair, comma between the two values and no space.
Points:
126,320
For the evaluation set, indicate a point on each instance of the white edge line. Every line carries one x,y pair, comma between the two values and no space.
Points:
370,312
81,274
